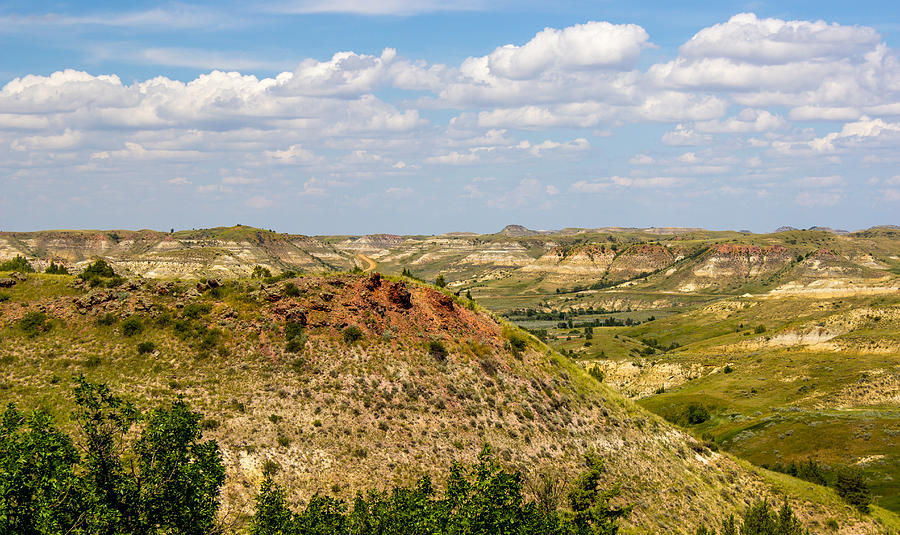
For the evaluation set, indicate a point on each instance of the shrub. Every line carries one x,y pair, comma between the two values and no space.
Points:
440,282
696,414
56,269
98,269
260,272
4,297
851,485
596,373
759,329
517,341
291,290
107,319
132,326
352,334
146,347
283,441
195,310
437,350
727,369
295,345
19,263
34,323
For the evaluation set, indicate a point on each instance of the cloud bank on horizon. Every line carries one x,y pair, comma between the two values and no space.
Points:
751,123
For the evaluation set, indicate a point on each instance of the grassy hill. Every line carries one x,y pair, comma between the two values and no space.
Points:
341,382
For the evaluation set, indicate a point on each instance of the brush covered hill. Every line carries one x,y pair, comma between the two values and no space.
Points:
344,382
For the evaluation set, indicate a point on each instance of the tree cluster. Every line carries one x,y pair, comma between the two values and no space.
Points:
483,498
111,479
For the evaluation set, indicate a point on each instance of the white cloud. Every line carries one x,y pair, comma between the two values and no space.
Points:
583,46
596,186
292,155
258,202
747,38
816,199
641,159
865,130
683,136
748,120
179,181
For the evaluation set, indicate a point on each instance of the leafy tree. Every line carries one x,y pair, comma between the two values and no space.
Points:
40,490
19,263
163,482
440,282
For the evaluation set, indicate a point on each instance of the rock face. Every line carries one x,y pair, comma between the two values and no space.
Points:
734,260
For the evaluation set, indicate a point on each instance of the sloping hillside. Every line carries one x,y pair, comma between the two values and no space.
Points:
342,381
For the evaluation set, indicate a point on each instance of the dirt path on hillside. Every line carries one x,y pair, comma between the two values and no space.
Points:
367,260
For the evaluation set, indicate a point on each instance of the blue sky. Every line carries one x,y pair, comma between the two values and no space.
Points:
425,117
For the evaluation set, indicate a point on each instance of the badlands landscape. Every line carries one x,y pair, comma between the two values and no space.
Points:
706,368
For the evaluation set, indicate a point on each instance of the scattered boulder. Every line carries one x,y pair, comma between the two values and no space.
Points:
7,282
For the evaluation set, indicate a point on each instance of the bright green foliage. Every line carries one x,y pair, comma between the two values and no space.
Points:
164,482
483,498
39,488
19,263
56,269
851,485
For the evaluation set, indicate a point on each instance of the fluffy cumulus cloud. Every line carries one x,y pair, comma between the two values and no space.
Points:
748,101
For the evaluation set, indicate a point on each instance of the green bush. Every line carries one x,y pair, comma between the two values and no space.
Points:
352,334
727,369
19,263
195,310
56,269
107,319
851,485
291,290
146,347
132,326
759,329
4,297
98,269
162,479
440,282
34,323
437,350
596,373
696,414
260,272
